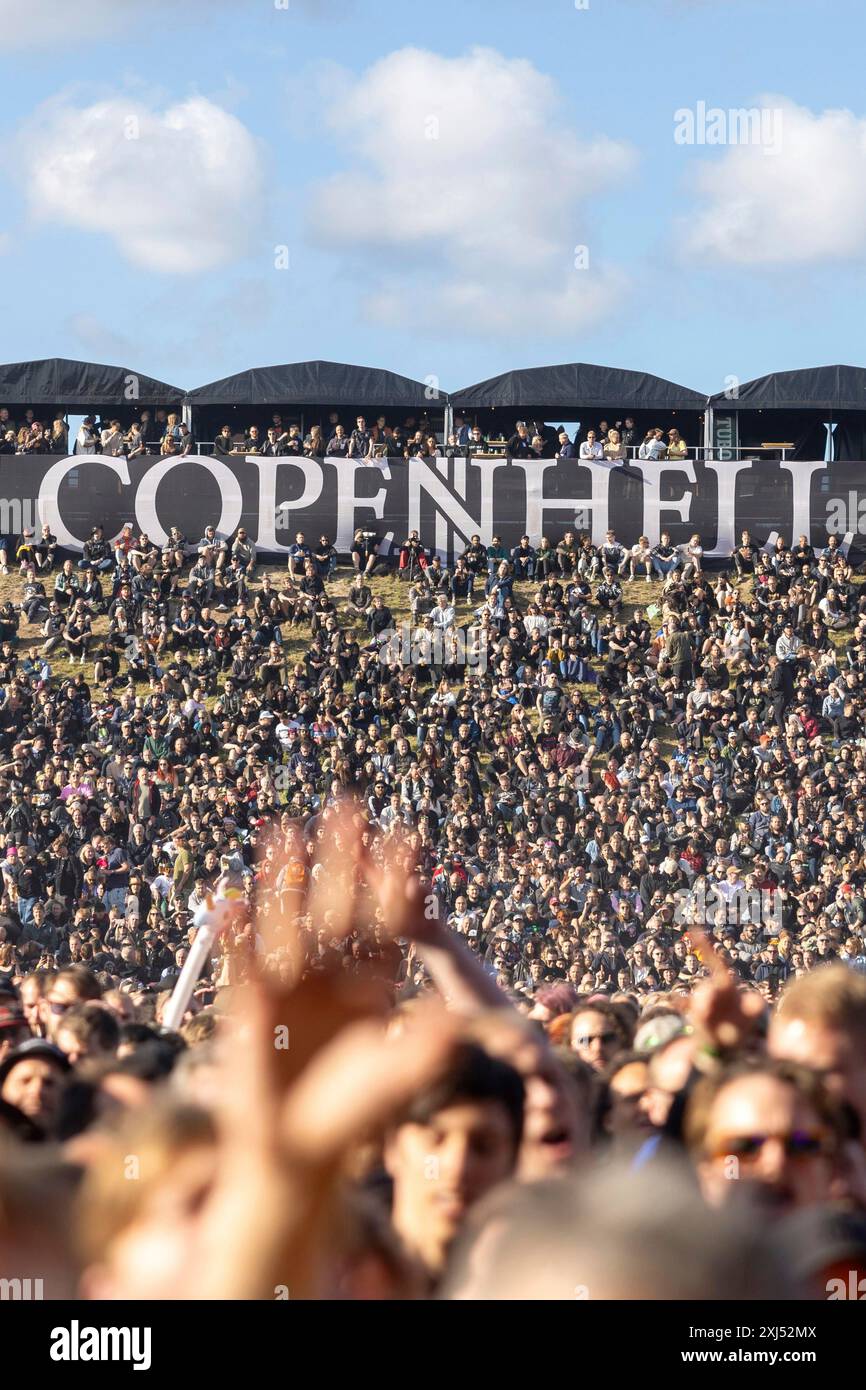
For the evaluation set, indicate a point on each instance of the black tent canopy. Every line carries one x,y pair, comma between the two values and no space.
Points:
577,384
796,407
78,388
307,393
811,388
315,384
580,392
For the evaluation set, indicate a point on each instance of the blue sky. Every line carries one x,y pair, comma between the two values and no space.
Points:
430,172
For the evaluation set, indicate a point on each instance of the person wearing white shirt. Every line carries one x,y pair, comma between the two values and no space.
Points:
788,643
641,554
112,440
737,640
834,614
86,439
535,621
653,446
591,448
443,613
694,558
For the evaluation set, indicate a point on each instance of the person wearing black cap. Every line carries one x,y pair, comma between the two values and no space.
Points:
31,1077
14,1029
96,552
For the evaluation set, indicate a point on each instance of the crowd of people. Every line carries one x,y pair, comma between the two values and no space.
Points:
32,436
165,433
546,969
366,441
153,432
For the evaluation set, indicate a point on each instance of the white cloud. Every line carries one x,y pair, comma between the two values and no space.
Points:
98,340
469,192
802,202
43,22
177,190
25,23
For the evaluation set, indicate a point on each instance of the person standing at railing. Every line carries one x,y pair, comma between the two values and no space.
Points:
59,440
314,444
293,445
338,444
222,445
360,441
477,442
462,432
134,441
112,439
653,446
591,448
676,445
415,445
613,449
273,448
252,444
566,448
627,432
520,445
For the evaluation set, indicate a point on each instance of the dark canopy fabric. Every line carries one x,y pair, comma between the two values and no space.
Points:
314,383
812,388
559,389
69,385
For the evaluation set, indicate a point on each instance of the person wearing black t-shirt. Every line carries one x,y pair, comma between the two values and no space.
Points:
744,556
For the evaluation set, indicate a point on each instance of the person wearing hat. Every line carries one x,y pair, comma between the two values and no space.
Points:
25,550
96,552
31,1079
87,438
14,1028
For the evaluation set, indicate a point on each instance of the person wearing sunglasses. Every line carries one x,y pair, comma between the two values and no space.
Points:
73,985
770,1132
598,1033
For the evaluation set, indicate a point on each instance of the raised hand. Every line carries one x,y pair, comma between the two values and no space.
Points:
725,1015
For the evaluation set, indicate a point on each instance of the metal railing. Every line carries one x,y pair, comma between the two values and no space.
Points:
498,449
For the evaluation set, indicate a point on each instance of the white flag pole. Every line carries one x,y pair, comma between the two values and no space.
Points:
211,919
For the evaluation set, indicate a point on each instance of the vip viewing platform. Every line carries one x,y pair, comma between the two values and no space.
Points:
332,411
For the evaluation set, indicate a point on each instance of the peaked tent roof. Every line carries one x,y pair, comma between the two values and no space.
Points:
811,388
314,383
61,382
578,384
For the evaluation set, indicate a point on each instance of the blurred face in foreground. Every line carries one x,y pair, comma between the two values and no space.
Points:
33,1086
761,1131
152,1252
62,995
627,1118
838,1054
442,1167
668,1072
556,1117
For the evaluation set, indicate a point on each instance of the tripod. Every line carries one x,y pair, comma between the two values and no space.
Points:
413,565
